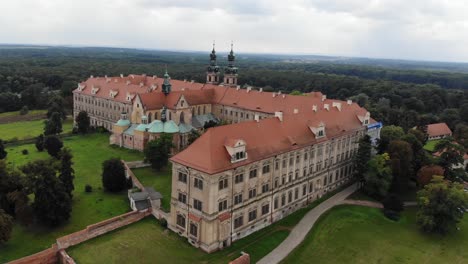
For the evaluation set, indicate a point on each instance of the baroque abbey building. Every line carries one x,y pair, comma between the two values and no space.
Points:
276,153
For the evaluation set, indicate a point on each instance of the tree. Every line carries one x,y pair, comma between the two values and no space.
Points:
194,134
451,155
24,110
426,173
53,125
53,145
113,175
441,205
378,177
52,205
82,121
10,181
67,174
401,158
157,151
387,134
362,158
6,226
392,206
56,105
3,152
40,143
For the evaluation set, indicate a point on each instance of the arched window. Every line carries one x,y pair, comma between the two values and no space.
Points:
155,115
204,109
198,110
182,118
150,117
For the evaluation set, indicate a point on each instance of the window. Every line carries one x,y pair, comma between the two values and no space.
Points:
239,178
198,183
266,169
265,209
305,156
296,193
182,177
298,158
181,221
238,221
193,229
283,179
253,173
284,163
238,199
252,215
283,200
265,188
252,193
276,183
304,189
222,205
276,203
223,184
311,187
320,133
276,165
290,177
240,155
182,198
289,196
291,161
197,204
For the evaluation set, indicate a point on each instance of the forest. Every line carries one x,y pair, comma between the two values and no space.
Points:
403,94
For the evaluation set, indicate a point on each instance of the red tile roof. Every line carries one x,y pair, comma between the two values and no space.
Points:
266,138
439,129
243,259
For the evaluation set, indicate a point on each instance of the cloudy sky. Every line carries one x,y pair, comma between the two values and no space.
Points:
407,29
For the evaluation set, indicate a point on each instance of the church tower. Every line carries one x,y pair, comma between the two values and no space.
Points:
166,86
212,71
230,72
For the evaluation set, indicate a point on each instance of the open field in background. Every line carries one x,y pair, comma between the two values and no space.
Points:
17,113
89,152
354,234
28,129
161,181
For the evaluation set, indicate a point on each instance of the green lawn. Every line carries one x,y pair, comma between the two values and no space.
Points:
353,234
161,181
17,113
430,145
28,129
147,242
89,152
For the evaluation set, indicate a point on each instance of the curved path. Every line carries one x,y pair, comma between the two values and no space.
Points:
300,231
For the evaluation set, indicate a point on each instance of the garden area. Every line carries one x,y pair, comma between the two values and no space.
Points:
89,151
161,181
28,129
347,234
431,144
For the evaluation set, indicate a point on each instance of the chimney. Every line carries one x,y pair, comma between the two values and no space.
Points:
105,76
337,105
128,82
296,111
91,76
273,94
249,88
279,115
284,96
257,117
121,75
155,76
238,88
326,106
314,108
279,92
324,97
261,90
192,81
349,102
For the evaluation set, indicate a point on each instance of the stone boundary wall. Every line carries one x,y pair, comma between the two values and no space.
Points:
56,253
135,180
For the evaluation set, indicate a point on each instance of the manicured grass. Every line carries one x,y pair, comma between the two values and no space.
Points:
17,113
147,242
161,181
430,145
28,129
89,152
354,234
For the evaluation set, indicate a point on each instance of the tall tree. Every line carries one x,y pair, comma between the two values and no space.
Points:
113,175
3,152
387,134
10,181
6,226
52,204
451,155
362,158
40,143
401,156
442,205
157,151
82,122
67,173
53,145
53,125
56,105
378,177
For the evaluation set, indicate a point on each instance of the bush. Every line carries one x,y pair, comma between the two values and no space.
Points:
40,143
24,110
393,202
113,175
25,152
392,215
163,223
88,188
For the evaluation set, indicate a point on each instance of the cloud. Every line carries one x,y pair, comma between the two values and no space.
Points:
418,29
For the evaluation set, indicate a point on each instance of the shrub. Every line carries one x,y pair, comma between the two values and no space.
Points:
113,175
24,110
393,202
392,215
88,188
40,143
163,223
25,152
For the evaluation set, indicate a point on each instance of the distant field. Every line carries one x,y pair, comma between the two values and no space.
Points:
89,152
354,234
17,113
28,129
160,181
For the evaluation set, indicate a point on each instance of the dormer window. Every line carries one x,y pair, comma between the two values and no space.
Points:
240,155
318,131
236,149
365,119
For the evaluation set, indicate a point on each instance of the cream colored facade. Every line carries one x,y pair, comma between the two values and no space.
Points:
271,189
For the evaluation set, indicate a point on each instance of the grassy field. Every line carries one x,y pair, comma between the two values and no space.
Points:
17,113
89,152
430,145
147,242
28,129
353,234
161,181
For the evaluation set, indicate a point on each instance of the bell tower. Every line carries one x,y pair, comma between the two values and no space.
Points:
212,71
230,72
